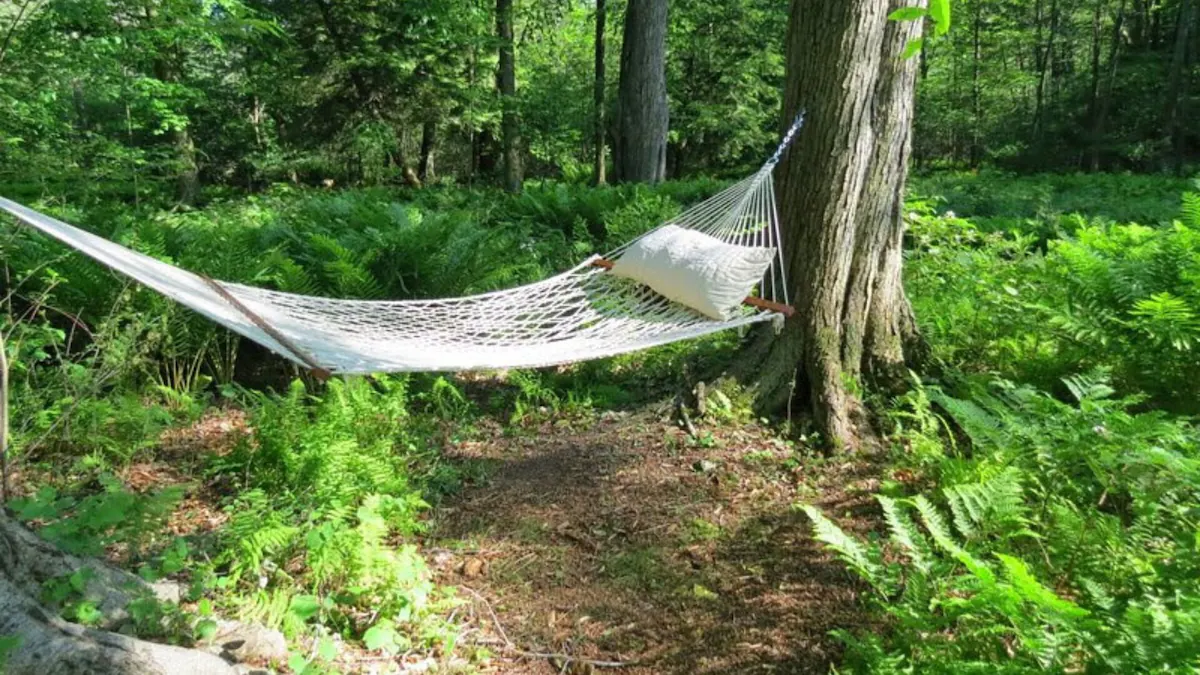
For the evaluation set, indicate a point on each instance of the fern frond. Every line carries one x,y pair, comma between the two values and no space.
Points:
996,504
936,524
904,533
1093,386
1190,212
1032,590
852,551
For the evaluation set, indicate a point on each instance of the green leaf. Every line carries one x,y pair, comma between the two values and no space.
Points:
913,48
908,14
381,636
327,649
205,629
305,606
297,663
939,11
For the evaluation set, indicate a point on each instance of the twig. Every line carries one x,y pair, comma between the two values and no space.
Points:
508,645
495,620
76,322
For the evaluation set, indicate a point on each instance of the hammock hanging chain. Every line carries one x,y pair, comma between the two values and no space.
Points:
788,138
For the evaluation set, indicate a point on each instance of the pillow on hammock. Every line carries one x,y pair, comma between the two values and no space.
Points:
695,269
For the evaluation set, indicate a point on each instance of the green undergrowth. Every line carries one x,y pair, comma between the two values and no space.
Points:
996,200
320,506
1041,501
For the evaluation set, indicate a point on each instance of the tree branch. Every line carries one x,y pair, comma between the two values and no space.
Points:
12,30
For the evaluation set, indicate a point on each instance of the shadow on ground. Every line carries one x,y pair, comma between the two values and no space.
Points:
619,539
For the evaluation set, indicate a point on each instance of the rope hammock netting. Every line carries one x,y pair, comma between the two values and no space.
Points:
584,313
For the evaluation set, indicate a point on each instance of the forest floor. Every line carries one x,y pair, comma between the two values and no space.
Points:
605,539
621,539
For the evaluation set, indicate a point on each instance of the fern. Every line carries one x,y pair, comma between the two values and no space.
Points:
1030,589
853,552
994,505
940,531
1092,386
904,533
1190,211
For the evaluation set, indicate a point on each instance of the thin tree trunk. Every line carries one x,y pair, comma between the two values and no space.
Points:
506,80
188,182
976,93
1101,118
598,132
643,116
426,169
1094,84
1137,30
1177,82
841,197
1041,58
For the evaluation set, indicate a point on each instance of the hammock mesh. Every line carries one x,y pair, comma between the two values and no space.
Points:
584,313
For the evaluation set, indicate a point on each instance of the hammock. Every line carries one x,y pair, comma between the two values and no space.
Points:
582,314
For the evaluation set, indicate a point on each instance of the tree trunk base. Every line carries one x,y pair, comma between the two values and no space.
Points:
48,645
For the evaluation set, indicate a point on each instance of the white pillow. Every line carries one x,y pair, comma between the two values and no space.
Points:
695,269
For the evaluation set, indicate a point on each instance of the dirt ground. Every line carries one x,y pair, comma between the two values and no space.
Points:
621,542
615,542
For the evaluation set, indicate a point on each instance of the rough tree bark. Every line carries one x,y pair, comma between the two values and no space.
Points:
47,645
506,81
841,192
598,132
642,115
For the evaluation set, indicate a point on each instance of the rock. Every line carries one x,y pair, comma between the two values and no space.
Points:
167,591
474,567
243,642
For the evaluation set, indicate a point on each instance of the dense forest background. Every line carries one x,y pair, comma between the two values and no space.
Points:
123,95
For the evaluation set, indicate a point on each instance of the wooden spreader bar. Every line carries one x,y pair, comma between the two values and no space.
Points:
319,372
786,310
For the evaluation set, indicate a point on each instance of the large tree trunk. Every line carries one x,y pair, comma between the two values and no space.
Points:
641,153
506,80
598,132
841,195
47,645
